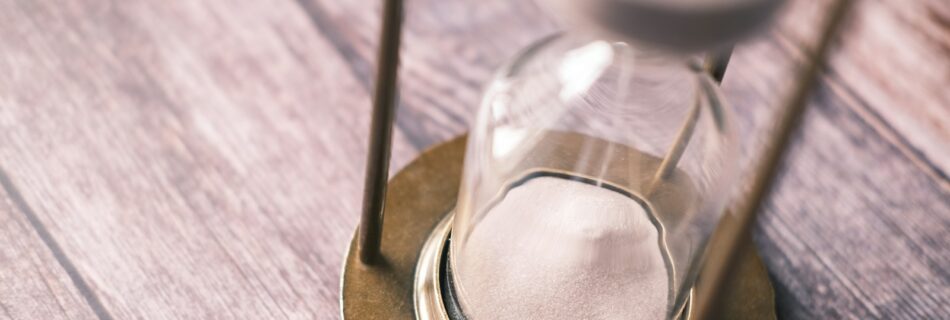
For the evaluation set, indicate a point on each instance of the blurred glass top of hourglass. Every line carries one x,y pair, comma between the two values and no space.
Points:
680,25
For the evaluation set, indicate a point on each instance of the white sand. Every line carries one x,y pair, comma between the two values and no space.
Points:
560,249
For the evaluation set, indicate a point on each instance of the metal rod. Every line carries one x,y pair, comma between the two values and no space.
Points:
720,260
679,146
715,65
380,138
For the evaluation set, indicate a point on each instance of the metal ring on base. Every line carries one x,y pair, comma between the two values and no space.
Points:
420,198
428,284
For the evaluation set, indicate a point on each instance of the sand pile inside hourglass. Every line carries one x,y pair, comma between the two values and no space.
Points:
554,248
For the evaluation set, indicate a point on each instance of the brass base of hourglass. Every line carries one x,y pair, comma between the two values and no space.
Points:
408,284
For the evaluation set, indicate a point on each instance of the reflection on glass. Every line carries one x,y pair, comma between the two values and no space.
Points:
594,174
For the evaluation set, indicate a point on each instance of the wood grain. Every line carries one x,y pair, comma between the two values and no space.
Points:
895,68
196,160
854,229
450,51
33,284
193,160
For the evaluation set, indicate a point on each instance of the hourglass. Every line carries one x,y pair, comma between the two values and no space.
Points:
596,172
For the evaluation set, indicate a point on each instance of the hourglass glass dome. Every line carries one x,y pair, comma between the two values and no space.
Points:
594,174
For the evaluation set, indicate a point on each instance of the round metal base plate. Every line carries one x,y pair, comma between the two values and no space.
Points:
420,197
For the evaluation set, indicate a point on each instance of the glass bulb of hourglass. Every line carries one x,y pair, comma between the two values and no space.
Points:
594,174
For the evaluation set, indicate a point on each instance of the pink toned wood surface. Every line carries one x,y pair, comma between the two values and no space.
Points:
196,160
191,160
33,283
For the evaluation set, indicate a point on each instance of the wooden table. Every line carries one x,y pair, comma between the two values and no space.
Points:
203,160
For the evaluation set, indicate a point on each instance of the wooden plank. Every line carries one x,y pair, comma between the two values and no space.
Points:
204,160
192,159
450,51
896,67
858,227
854,230
33,284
